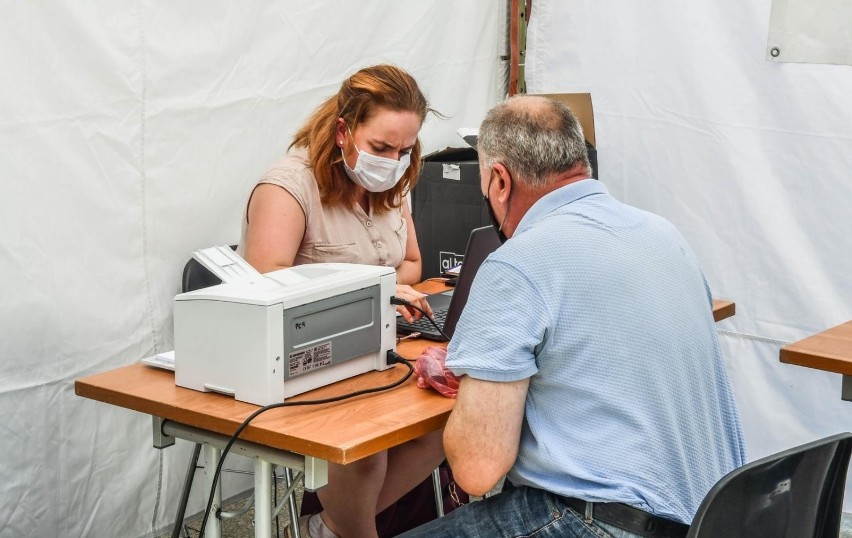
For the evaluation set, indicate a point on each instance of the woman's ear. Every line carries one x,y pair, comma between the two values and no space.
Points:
341,132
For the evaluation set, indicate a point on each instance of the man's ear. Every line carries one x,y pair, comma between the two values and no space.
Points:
503,181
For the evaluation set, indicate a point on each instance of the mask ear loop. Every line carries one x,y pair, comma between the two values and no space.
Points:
508,206
351,136
508,202
343,153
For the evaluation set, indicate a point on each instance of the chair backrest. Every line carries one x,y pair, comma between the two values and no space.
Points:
196,276
797,493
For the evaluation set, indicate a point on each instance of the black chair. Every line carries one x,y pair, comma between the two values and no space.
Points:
797,493
196,276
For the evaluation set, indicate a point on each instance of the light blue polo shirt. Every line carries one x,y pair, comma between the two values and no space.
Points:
605,308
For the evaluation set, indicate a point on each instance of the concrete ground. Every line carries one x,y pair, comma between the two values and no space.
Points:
846,526
241,526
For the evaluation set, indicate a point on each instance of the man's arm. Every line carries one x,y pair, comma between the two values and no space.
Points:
483,432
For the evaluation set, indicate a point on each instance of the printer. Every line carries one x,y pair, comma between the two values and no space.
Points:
265,337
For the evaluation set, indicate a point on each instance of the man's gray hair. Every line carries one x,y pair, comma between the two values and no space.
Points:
532,140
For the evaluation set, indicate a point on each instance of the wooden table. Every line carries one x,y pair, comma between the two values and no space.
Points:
328,432
301,438
723,309
340,432
830,350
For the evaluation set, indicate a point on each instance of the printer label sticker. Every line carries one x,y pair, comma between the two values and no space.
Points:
309,359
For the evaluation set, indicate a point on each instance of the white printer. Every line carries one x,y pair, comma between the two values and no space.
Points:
263,338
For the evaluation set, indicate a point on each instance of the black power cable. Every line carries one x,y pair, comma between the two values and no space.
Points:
274,500
402,302
393,358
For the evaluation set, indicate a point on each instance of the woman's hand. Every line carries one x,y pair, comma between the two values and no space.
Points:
415,298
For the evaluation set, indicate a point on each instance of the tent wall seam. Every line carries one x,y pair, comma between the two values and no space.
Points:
754,337
143,96
143,177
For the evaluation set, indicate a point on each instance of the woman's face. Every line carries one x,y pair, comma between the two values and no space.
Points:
388,133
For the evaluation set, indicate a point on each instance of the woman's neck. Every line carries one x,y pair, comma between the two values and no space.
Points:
363,199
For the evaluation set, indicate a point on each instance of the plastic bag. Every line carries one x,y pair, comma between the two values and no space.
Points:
431,371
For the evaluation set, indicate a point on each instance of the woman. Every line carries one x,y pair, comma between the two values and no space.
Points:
339,196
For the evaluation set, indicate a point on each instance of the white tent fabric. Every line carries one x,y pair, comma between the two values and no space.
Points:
130,136
751,160
814,31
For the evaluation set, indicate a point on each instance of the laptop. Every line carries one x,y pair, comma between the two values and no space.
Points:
447,306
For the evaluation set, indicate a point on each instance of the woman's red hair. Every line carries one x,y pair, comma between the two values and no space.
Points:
360,96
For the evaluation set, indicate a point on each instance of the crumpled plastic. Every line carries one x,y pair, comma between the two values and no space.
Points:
431,371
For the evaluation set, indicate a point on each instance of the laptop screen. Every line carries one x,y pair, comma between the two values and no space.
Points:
448,305
482,242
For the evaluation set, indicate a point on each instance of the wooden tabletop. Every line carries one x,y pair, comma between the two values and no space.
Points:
339,432
830,350
723,309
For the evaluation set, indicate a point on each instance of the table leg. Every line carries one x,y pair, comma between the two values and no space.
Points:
316,470
262,498
436,486
294,514
187,487
211,456
846,391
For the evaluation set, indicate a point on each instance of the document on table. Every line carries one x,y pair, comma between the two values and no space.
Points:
164,360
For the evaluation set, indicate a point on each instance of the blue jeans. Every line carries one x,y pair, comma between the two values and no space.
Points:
517,513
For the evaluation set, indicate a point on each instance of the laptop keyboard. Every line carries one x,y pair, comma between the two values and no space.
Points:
423,324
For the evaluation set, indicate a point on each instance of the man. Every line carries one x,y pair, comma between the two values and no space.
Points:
591,374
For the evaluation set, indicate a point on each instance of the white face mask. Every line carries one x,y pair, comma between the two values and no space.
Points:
376,174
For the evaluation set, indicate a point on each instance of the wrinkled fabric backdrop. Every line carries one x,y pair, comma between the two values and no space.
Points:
751,160
131,135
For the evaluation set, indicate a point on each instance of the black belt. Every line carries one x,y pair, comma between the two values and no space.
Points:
630,519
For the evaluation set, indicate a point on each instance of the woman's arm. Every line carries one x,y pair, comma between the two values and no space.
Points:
276,226
409,271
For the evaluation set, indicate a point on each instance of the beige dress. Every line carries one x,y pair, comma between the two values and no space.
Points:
335,234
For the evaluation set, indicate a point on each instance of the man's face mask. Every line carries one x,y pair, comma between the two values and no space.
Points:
498,226
376,174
